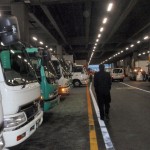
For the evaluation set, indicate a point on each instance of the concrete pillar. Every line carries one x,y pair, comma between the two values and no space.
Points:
20,10
59,51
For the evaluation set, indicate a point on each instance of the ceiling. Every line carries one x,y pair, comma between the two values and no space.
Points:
75,24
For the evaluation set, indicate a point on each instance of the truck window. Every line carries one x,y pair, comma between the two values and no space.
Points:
117,71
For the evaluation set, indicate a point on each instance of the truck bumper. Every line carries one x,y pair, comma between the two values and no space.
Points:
11,137
84,82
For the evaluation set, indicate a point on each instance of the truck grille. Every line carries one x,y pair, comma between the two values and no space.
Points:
30,110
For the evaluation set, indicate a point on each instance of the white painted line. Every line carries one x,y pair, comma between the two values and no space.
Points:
106,137
136,88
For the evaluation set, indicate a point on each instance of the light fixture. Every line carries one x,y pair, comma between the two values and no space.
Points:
104,20
2,43
146,37
143,53
127,48
110,5
138,42
46,46
93,50
132,45
41,42
148,51
139,54
95,44
34,38
99,35
97,40
51,49
121,51
101,29
94,47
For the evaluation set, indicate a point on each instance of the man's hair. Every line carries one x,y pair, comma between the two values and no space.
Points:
101,67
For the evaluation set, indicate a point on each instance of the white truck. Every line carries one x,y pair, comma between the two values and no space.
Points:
1,125
19,87
79,75
64,85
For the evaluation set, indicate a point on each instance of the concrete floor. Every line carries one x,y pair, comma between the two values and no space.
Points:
66,126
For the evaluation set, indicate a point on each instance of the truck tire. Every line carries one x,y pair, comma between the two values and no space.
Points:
76,83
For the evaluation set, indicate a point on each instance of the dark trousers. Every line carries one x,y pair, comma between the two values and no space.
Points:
103,100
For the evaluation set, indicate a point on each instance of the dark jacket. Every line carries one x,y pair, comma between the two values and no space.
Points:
102,82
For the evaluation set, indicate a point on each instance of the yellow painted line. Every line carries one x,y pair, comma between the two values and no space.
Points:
92,132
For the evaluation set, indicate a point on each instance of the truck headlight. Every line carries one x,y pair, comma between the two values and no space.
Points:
15,121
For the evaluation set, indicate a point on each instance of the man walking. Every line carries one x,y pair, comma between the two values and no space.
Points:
102,85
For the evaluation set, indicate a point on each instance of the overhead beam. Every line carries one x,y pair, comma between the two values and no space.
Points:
88,20
48,2
42,26
51,19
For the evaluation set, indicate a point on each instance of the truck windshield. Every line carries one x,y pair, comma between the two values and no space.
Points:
17,67
57,68
78,69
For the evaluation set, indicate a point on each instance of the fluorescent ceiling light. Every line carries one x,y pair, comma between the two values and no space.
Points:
138,42
97,40
146,37
104,20
110,5
101,29
34,38
41,42
99,35
132,45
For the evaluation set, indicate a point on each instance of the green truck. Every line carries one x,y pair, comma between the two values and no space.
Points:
45,71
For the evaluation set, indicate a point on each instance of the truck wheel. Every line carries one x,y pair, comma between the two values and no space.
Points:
76,83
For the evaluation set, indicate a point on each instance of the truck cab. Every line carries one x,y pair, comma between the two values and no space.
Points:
79,75
64,87
19,87
46,74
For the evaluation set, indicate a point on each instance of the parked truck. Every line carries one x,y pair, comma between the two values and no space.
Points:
1,125
64,87
19,87
46,73
79,75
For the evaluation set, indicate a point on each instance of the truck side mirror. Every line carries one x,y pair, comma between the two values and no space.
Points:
9,30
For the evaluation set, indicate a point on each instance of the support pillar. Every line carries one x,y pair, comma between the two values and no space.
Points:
20,10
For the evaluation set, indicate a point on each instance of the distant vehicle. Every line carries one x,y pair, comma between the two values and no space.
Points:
79,75
117,74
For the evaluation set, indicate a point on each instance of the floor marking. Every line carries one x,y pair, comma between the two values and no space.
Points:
136,87
92,132
106,137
